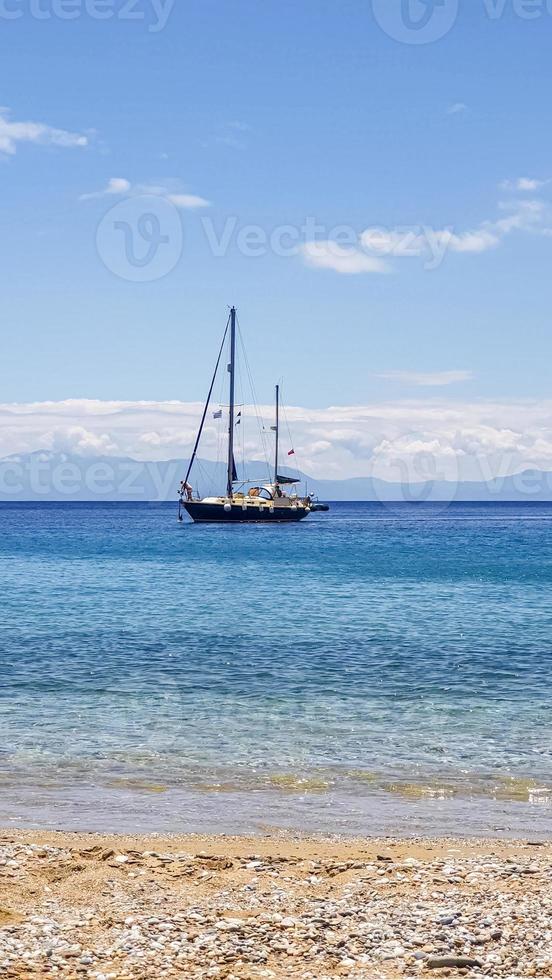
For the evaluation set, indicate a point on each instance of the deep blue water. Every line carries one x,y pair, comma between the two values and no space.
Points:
379,668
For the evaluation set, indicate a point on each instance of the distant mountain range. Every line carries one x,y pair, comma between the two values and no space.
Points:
60,476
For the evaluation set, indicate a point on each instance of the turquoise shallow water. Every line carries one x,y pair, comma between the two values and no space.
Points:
377,669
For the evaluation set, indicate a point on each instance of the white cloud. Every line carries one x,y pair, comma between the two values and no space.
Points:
480,240
118,185
188,202
168,439
411,242
397,242
115,185
121,187
527,215
12,133
230,134
436,379
78,440
373,248
524,184
457,108
416,438
347,261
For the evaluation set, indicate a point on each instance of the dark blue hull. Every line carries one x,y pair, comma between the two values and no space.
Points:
210,513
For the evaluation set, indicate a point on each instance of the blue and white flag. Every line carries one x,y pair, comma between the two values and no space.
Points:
217,415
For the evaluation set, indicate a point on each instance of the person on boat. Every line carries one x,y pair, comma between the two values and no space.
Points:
185,490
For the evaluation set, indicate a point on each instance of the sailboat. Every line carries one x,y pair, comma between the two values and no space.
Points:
266,503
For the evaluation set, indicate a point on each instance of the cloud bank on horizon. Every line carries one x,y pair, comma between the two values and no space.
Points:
396,440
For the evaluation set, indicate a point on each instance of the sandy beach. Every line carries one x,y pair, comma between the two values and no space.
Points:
86,905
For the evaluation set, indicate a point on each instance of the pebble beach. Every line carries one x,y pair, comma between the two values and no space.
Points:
124,908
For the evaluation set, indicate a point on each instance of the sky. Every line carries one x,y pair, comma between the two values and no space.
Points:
369,182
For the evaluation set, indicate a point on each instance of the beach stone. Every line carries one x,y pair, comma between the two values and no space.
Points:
357,921
451,962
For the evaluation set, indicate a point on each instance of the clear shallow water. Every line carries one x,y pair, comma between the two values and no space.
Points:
377,669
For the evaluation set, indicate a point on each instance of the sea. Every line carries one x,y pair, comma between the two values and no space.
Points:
380,669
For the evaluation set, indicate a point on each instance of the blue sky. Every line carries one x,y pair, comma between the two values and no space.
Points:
267,115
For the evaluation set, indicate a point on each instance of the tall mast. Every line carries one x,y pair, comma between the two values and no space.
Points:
277,433
232,370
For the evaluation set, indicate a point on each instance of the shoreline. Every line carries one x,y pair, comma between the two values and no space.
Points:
314,801
279,837
125,907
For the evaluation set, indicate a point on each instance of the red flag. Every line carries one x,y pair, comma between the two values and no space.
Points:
291,452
